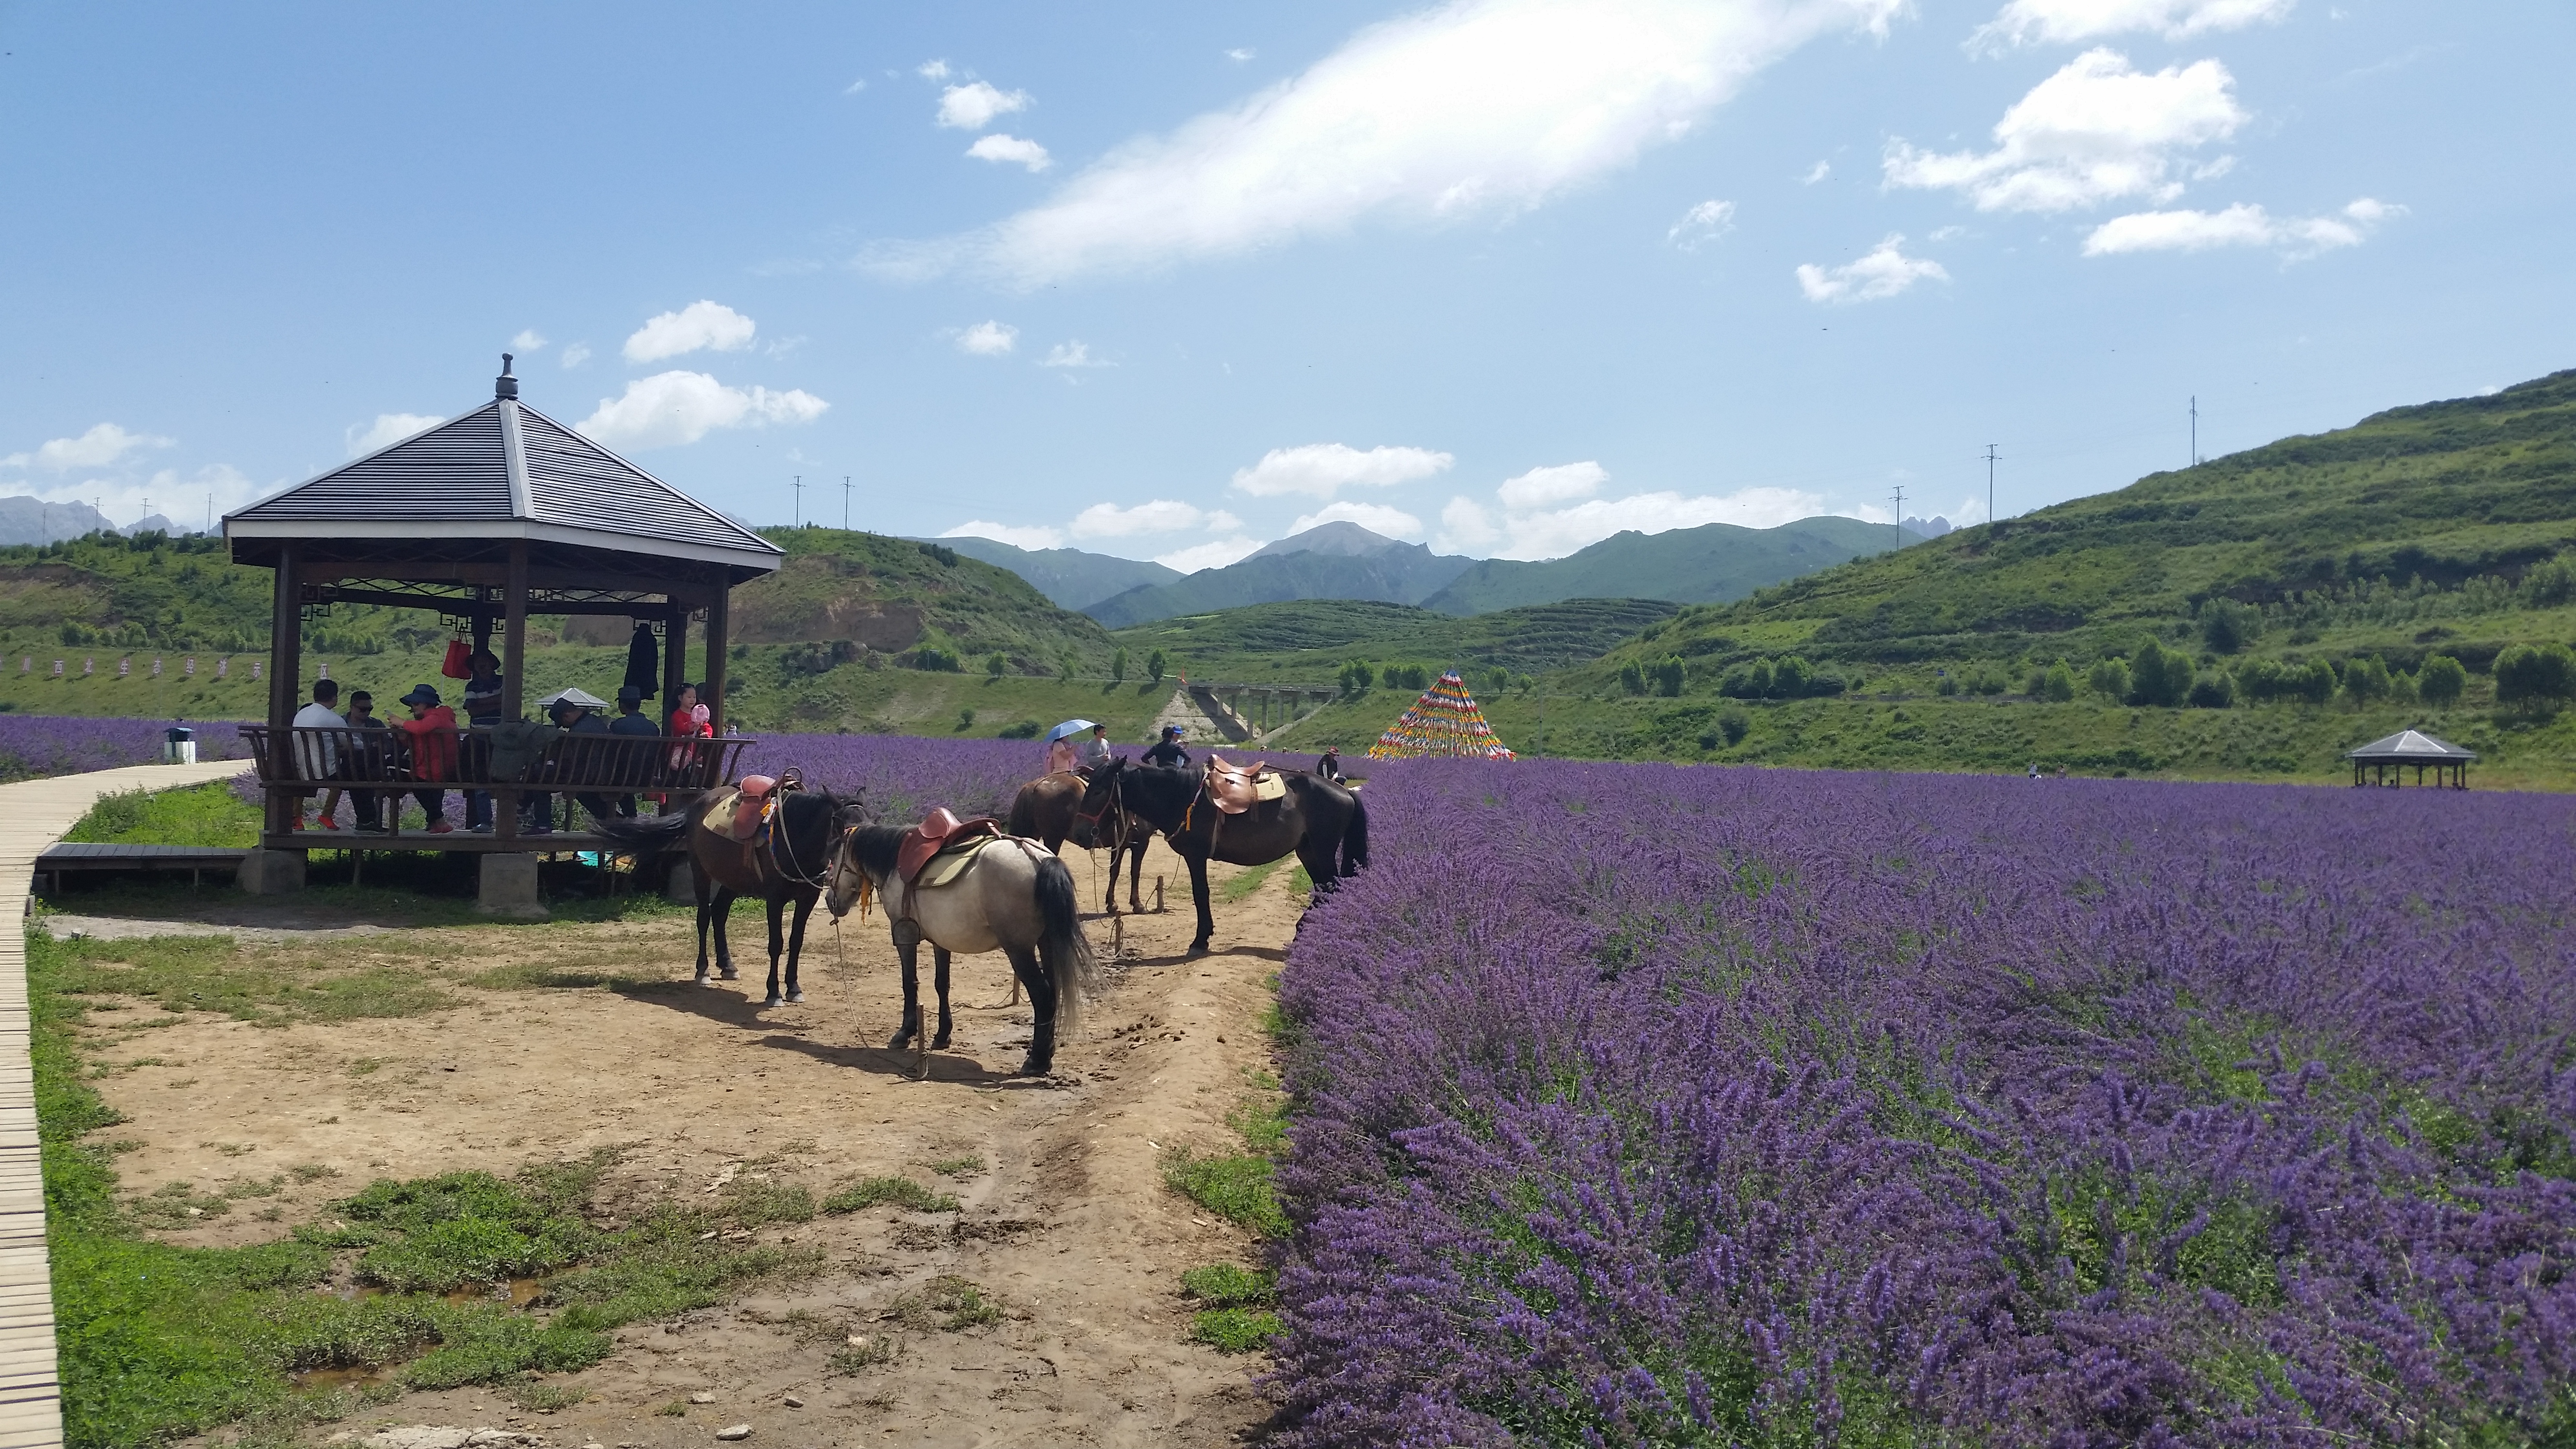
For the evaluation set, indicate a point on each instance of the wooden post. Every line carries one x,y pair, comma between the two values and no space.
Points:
675,655
718,610
514,686
285,661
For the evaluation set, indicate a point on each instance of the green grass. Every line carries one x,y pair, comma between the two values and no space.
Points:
958,1167
1234,1186
1235,1330
1244,884
158,1341
947,1304
1229,1285
208,815
903,1192
215,973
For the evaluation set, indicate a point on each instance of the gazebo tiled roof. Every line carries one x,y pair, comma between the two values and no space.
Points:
504,471
2410,747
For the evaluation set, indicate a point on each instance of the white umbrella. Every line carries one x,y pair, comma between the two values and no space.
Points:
1069,727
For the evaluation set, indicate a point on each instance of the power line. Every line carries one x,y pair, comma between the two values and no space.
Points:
1990,483
799,515
1900,515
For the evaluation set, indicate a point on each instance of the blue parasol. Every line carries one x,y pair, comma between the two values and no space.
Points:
1069,727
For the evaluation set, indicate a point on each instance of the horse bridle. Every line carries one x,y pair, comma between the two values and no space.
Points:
1117,804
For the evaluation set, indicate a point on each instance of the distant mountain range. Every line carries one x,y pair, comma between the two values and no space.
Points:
1713,563
1333,561
1070,578
26,519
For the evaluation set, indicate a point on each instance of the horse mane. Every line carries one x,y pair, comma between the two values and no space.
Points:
873,848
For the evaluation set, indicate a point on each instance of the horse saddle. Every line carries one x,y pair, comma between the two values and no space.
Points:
739,813
939,833
1237,788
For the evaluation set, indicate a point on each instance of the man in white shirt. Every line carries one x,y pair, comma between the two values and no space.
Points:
317,757
1095,750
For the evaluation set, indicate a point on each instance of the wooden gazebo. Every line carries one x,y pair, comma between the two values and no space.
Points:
486,519
2381,759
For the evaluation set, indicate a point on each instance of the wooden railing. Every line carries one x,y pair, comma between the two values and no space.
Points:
298,761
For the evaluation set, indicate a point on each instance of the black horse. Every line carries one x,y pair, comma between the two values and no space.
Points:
1318,819
786,864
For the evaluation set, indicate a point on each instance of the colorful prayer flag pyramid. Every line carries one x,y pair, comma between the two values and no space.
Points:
1444,721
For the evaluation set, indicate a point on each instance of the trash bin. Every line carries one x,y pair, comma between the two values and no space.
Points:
179,746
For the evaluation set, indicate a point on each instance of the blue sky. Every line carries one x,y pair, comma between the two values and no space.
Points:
1166,281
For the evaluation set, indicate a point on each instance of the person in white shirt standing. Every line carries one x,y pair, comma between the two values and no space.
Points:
1095,750
317,756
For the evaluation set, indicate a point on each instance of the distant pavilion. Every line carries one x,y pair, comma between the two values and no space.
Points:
2448,762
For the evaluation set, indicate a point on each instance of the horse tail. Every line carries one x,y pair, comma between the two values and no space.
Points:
1063,949
1355,836
653,830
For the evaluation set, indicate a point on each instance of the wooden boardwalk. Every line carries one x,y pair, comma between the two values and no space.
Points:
32,814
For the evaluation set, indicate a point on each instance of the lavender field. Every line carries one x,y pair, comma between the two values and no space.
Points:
1644,1105
42,744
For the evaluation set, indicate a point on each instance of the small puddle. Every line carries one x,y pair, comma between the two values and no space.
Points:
328,1380
521,1292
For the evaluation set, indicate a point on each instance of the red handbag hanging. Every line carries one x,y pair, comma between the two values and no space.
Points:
459,661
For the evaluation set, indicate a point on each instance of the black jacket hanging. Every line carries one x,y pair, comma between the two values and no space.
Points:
644,661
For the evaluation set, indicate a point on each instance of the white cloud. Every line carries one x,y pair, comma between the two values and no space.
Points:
681,407
854,87
1474,108
699,324
528,340
1073,354
2241,225
1375,517
1816,173
989,339
387,430
1884,273
972,107
1540,487
1161,515
1702,224
1215,554
932,70
1322,469
2095,131
575,355
1221,521
1239,55
1526,532
1002,146
100,446
1016,537
2067,22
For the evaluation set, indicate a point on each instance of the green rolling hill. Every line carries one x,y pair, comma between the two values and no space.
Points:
1310,639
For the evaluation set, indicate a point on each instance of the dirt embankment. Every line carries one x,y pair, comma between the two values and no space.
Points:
1065,1221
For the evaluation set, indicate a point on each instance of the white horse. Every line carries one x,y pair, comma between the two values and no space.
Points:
1015,897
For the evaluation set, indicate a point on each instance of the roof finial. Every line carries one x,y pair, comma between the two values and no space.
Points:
505,385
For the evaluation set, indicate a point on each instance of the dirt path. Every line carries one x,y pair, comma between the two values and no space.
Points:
1068,1223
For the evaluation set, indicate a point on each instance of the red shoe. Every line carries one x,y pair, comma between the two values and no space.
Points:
442,828
326,823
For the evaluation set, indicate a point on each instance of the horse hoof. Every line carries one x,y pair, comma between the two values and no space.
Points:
796,998
702,978
1197,949
773,1001
728,974
1036,1067
901,1040
939,1043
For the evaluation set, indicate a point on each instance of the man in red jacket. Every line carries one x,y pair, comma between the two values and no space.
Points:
431,732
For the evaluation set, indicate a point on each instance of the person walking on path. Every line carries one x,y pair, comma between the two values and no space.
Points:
431,734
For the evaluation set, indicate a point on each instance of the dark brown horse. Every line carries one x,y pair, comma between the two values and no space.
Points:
1048,809
790,861
1317,819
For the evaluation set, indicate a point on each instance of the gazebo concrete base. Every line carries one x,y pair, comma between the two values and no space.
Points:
508,887
272,872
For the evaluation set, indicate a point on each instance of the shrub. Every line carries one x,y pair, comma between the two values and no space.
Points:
2441,680
995,665
2057,684
1632,677
2535,676
2110,678
1356,677
1155,664
1026,729
2366,679
2214,690
1733,723
1118,666
2158,676
1667,675
2227,626
933,660
1946,685
1791,678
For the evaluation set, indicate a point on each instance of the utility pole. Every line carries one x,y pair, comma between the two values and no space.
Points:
2195,430
799,486
1900,515
1990,485
845,503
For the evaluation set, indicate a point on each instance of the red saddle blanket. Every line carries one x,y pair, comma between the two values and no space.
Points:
937,831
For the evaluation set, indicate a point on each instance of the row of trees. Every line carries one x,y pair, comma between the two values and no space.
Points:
2528,677
2227,625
